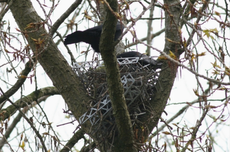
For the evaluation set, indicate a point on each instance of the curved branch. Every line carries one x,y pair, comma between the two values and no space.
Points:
29,122
14,123
9,130
27,100
181,111
196,129
144,39
73,140
89,147
19,82
50,58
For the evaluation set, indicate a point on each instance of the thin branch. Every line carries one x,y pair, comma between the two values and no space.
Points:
179,113
4,10
27,100
180,64
205,5
149,37
14,123
187,9
68,50
196,128
10,129
64,16
89,147
29,122
135,20
156,18
19,83
144,39
94,9
111,10
73,140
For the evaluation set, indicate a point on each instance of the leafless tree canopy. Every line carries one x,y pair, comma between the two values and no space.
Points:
112,104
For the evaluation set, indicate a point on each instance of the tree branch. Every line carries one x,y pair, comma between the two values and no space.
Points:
50,58
10,129
64,16
19,83
205,5
149,38
144,39
27,100
73,140
116,92
89,147
195,130
181,111
168,74
29,122
15,122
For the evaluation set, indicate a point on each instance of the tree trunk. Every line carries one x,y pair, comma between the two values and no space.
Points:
73,91
51,59
168,72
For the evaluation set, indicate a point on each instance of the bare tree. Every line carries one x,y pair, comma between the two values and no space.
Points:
118,106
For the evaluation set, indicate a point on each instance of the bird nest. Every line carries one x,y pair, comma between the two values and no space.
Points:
139,87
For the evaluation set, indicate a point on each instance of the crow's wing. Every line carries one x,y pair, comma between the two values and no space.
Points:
91,36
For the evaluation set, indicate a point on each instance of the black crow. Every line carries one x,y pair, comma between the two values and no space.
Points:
91,36
143,59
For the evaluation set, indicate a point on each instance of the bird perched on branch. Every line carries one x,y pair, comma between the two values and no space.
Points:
142,59
92,36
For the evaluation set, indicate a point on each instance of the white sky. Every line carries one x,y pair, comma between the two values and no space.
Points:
182,90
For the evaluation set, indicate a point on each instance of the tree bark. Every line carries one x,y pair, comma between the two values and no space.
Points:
51,59
169,69
70,86
125,139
